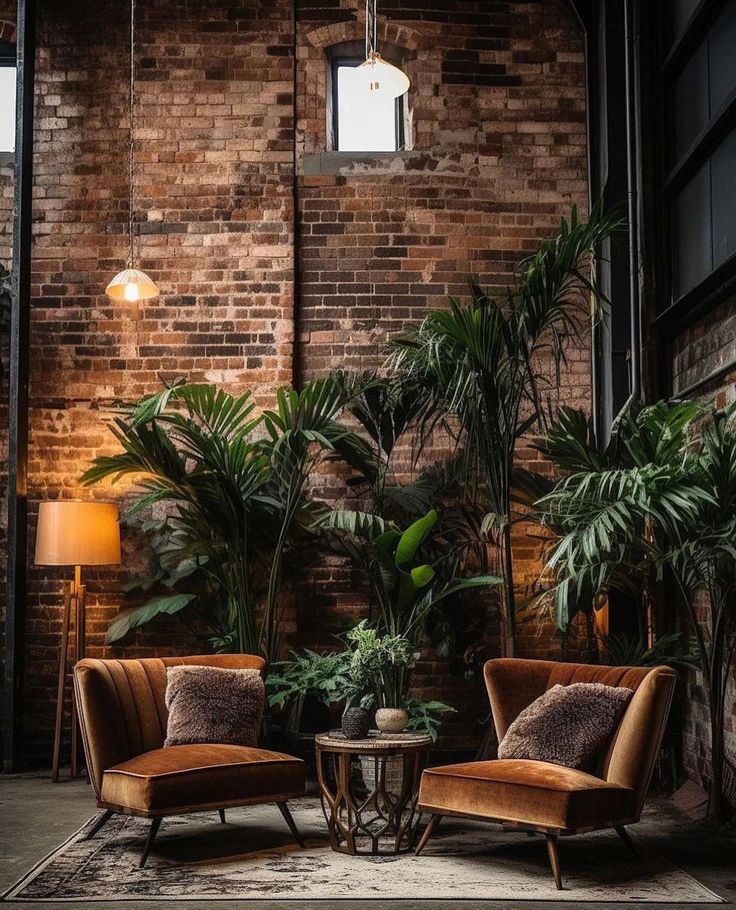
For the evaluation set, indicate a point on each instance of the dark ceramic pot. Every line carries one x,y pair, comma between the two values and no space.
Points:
355,723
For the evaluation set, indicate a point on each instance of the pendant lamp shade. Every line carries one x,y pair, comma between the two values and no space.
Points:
383,77
132,285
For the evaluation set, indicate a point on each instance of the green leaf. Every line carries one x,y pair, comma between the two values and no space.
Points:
413,537
422,575
130,619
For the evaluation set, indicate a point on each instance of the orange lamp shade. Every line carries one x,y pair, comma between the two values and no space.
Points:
73,533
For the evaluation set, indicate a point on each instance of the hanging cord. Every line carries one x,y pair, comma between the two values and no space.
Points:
371,33
130,134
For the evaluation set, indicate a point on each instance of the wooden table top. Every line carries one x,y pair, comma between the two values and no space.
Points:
336,741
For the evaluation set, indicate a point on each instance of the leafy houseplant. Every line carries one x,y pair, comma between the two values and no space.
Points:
306,674
658,502
482,368
379,676
407,588
236,499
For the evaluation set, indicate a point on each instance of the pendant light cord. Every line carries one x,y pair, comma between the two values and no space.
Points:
371,27
130,134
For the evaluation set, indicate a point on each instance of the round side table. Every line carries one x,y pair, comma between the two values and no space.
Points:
369,789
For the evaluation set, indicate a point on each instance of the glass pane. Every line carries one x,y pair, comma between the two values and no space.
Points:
724,200
692,242
681,12
690,101
722,47
7,108
366,121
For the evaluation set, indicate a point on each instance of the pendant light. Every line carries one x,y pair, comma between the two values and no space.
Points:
131,284
379,75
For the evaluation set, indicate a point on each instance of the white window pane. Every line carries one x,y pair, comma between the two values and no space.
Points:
366,121
7,108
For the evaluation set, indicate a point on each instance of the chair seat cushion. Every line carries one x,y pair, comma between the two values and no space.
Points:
524,791
184,778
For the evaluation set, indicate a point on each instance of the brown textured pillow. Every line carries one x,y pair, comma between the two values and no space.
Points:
567,725
213,705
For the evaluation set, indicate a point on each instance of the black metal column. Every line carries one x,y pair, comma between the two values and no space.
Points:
18,385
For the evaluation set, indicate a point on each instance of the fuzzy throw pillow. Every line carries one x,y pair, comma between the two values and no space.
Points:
568,725
213,705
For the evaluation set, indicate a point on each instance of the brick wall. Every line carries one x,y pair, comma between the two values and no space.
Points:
701,350
498,105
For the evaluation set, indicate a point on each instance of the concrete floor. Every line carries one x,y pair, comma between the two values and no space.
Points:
36,816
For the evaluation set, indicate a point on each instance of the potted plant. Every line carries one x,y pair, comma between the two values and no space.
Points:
378,668
304,687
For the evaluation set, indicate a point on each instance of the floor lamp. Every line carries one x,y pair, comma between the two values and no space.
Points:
72,533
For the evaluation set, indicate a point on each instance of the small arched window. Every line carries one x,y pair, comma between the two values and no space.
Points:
357,122
7,96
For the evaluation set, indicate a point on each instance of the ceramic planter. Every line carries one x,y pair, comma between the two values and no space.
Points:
391,720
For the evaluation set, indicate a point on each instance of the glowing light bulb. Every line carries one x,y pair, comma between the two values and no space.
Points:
131,285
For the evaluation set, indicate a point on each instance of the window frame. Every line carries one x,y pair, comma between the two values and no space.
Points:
352,53
675,313
8,58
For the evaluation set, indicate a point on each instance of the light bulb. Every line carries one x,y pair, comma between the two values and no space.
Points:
131,285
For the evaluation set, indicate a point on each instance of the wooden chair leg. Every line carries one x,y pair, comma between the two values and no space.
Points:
626,838
152,832
554,859
284,810
222,815
100,822
433,822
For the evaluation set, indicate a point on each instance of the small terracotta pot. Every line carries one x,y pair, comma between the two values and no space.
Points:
391,720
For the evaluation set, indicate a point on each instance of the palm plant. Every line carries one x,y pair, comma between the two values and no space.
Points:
659,502
484,367
236,497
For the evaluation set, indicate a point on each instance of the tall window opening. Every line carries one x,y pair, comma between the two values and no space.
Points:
7,96
362,121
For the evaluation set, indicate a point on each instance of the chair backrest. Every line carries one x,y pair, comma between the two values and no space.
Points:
122,708
628,760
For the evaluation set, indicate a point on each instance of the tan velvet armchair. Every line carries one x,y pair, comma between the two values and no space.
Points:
123,719
552,799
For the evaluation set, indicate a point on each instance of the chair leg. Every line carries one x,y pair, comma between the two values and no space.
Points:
100,822
284,810
433,822
626,838
152,832
222,815
554,859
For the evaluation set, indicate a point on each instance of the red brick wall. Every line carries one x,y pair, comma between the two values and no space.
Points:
499,154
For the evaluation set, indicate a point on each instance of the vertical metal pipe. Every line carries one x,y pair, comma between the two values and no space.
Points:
632,196
18,384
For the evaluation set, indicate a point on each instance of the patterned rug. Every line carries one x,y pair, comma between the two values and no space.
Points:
253,858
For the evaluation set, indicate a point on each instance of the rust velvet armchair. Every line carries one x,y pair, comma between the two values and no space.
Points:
549,798
123,719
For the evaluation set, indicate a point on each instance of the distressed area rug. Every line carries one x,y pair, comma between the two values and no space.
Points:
196,858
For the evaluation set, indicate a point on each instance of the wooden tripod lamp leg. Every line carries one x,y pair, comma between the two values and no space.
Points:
61,682
79,630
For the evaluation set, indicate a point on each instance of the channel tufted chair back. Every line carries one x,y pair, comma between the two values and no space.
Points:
513,684
122,709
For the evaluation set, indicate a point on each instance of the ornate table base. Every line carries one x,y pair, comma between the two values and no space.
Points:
369,790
